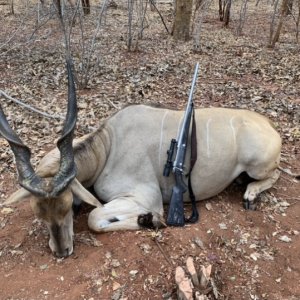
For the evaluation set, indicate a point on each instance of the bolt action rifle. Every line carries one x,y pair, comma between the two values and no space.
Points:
176,210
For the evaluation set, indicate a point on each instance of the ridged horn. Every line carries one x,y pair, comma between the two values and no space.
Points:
67,169
28,179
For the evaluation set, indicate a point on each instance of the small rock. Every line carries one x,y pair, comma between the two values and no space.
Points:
116,286
44,267
255,256
117,295
167,295
223,226
257,98
7,210
184,285
191,269
284,204
145,247
115,263
205,276
214,288
199,243
208,206
133,272
16,252
98,282
285,239
198,296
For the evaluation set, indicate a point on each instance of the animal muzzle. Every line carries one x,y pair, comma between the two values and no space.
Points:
61,240
63,253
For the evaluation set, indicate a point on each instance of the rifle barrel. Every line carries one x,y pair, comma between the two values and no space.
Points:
181,144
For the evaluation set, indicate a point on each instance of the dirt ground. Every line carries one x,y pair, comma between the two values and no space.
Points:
254,254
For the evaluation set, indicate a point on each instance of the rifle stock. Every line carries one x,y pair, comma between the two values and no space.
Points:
176,210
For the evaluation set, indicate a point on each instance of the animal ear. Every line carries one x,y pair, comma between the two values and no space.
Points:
82,193
19,195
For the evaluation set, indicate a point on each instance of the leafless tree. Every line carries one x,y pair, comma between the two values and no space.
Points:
12,11
242,17
224,11
274,36
9,3
130,21
182,20
137,22
154,8
201,7
87,65
141,15
153,5
60,5
289,7
297,23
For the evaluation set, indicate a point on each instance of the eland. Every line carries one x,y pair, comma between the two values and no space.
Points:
124,159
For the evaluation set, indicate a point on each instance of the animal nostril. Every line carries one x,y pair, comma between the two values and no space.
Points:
58,254
62,254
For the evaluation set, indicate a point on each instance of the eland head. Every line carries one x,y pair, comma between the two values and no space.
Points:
52,197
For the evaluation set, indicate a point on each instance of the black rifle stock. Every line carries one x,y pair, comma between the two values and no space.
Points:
176,210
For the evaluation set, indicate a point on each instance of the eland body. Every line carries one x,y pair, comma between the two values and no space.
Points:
124,160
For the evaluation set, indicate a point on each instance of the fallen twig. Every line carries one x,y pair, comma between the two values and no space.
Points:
287,197
2,93
112,104
289,172
162,251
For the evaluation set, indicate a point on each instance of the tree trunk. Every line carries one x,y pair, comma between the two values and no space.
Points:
221,10
227,12
289,7
183,14
58,6
86,6
12,11
298,22
152,5
224,11
284,7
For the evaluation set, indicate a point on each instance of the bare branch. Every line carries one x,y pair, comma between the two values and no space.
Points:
2,93
160,15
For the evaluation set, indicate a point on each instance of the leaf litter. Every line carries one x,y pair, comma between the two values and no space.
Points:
235,72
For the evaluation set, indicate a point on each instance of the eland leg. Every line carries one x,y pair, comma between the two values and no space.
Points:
125,214
255,188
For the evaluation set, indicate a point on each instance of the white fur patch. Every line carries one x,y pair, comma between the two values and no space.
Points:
207,138
161,136
103,223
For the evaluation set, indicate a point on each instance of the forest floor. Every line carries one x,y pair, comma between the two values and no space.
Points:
253,254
